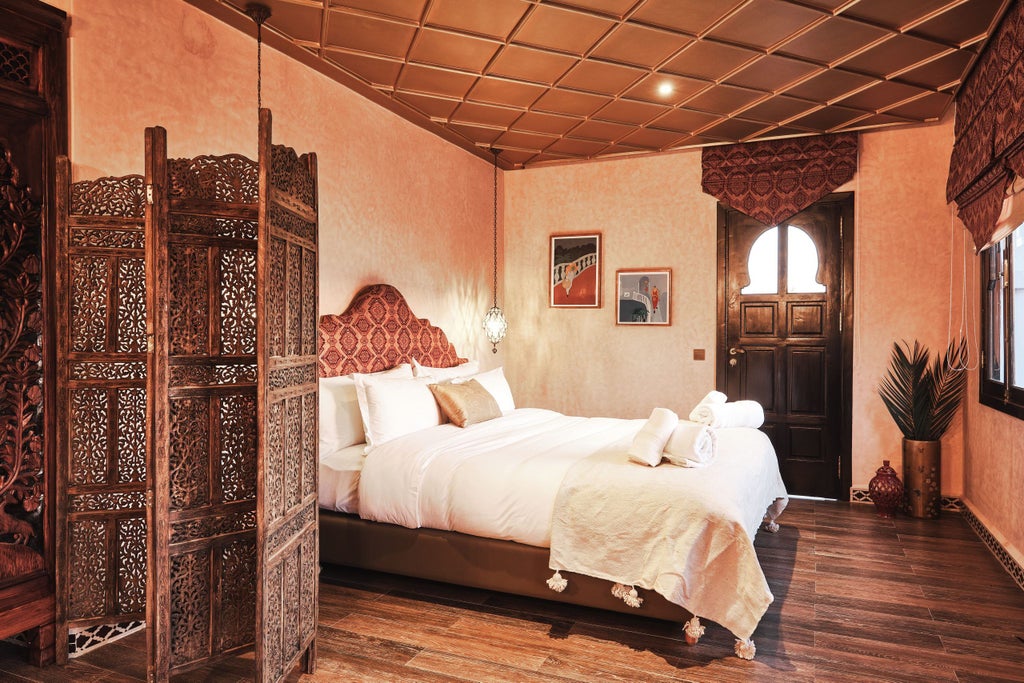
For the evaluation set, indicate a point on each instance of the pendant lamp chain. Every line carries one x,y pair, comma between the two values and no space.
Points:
494,230
495,325
259,13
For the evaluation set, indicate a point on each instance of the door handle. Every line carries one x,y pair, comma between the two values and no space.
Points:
736,351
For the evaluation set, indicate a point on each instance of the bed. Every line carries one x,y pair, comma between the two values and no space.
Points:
522,503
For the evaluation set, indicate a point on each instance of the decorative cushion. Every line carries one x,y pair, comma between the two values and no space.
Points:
496,385
466,403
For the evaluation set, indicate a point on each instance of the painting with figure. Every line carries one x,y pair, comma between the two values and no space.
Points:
575,274
644,296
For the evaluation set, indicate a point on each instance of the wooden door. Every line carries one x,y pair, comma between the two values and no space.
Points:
781,341
201,287
288,565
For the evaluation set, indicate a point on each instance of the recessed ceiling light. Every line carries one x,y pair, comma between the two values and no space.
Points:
665,88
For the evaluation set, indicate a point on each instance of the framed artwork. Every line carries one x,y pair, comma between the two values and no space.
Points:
574,278
644,296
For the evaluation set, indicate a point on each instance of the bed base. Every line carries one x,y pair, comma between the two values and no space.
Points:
464,560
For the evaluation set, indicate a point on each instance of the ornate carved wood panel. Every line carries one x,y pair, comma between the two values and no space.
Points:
33,132
287,508
22,481
201,239
102,462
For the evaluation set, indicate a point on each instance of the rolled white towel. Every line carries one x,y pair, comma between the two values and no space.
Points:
734,414
691,445
650,441
711,398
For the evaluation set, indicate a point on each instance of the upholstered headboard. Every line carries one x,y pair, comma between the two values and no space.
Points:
378,331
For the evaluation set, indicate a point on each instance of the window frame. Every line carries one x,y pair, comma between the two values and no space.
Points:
1000,395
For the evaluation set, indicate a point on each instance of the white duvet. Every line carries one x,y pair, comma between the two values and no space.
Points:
685,532
496,479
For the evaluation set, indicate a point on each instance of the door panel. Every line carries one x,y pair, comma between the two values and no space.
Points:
806,381
785,349
758,382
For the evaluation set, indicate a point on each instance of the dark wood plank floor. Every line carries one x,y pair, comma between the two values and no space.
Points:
857,598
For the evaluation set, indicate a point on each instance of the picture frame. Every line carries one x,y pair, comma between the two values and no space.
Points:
643,296
574,270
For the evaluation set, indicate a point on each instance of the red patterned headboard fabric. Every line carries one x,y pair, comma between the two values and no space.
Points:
378,331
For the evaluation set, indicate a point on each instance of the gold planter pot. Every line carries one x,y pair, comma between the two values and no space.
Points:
922,477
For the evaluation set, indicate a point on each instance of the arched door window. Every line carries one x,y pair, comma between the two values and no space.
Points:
801,259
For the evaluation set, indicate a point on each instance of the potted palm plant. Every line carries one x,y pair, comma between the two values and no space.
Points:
922,397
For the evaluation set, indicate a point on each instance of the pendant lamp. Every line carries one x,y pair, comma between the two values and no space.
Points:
495,325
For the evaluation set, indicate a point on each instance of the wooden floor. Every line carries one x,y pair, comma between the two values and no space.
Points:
857,598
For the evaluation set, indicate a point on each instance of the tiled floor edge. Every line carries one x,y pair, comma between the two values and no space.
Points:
1009,562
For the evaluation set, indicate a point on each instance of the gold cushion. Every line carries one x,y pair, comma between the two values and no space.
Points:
466,403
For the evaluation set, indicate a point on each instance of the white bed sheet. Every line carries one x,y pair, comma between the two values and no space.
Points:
496,479
339,478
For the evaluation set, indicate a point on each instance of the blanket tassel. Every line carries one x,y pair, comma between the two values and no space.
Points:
745,648
557,583
693,630
769,525
627,595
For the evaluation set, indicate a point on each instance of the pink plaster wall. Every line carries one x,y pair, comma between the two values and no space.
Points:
397,204
652,212
994,467
902,281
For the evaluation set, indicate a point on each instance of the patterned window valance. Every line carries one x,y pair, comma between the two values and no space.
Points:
775,179
988,149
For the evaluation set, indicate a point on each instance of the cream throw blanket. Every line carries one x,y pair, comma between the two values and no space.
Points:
686,533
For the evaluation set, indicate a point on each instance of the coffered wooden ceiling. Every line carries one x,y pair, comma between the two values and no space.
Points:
548,81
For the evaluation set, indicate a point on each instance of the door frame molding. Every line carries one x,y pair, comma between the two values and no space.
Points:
846,270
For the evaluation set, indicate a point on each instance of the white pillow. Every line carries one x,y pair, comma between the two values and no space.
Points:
446,374
497,386
341,421
394,407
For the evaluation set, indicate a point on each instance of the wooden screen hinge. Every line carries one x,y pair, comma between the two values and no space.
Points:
149,194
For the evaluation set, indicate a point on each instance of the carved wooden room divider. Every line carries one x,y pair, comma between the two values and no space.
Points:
101,439
222,409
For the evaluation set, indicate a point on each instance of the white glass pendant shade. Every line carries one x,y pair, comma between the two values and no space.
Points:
495,327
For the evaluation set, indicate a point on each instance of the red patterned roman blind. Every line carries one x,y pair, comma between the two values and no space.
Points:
775,179
988,149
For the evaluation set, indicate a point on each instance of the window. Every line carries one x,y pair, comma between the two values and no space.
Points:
801,260
1002,302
